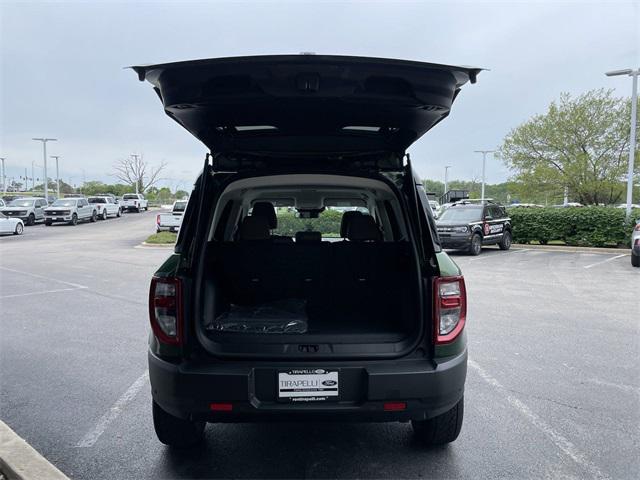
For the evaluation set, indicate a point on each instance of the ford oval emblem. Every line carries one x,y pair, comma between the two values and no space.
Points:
319,371
329,383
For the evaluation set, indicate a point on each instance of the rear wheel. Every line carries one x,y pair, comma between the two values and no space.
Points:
635,260
94,217
174,431
31,220
19,229
505,243
119,213
442,429
104,214
476,244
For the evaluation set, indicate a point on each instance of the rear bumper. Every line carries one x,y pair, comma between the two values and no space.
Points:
428,388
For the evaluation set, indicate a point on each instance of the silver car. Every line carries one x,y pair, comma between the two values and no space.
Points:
29,210
71,211
635,245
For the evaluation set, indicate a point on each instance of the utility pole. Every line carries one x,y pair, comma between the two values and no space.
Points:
446,177
44,155
135,157
33,175
57,176
484,167
4,175
632,135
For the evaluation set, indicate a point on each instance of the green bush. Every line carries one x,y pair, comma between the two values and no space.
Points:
328,223
580,226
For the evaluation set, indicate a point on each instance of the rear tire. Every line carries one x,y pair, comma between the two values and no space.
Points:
104,214
505,242
476,245
119,213
442,429
19,229
635,260
94,217
174,431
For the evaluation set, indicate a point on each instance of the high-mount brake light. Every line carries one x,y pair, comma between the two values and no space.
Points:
449,308
165,309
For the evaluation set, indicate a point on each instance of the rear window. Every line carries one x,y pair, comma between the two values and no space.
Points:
328,222
130,197
97,200
461,214
180,206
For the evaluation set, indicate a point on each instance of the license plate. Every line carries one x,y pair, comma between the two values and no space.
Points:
308,385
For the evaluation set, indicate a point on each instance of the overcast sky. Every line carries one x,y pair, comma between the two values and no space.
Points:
62,72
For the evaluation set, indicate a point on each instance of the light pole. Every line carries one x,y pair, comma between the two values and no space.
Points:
57,176
446,177
4,175
632,135
484,167
135,165
44,155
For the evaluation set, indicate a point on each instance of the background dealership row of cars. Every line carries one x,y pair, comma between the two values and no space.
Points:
18,212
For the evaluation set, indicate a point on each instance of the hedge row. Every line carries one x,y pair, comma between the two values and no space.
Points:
328,223
581,226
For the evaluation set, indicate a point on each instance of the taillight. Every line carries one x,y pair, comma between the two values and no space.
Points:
158,219
165,309
450,308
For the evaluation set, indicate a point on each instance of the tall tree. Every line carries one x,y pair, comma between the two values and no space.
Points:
135,170
580,143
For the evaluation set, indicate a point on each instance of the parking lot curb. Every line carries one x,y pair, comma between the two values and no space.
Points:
157,245
20,461
568,248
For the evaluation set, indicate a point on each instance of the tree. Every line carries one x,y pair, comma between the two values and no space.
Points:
181,194
135,170
580,143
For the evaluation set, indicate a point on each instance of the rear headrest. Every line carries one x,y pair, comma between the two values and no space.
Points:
266,210
306,237
363,228
346,220
254,228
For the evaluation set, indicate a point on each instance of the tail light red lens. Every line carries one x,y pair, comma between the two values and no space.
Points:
158,219
165,309
394,406
450,308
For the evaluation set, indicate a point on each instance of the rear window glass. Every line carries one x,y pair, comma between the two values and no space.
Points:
464,214
130,197
327,223
97,200
179,206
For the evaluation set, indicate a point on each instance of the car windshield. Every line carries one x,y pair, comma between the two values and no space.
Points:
21,203
180,206
97,200
64,203
464,214
130,197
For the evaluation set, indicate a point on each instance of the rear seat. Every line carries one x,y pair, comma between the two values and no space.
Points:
346,274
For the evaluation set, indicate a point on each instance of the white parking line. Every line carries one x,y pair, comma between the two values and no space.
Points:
619,386
42,277
556,438
605,261
92,436
43,292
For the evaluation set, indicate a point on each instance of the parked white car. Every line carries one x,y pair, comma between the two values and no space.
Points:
30,210
105,206
11,225
171,221
134,202
635,245
71,211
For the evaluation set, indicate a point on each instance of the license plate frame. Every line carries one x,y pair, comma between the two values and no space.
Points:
308,385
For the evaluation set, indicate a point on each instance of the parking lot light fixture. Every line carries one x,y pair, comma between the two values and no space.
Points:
632,134
484,167
57,176
44,154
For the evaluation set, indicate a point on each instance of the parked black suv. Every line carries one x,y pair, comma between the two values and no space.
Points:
259,315
468,225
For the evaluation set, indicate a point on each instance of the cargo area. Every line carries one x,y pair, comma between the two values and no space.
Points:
347,276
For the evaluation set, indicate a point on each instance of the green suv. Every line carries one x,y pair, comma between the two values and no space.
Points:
307,282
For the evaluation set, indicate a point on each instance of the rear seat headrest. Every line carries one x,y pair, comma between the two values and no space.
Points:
254,228
346,220
266,210
363,228
307,237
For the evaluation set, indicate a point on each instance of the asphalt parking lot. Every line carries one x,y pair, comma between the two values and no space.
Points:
553,389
